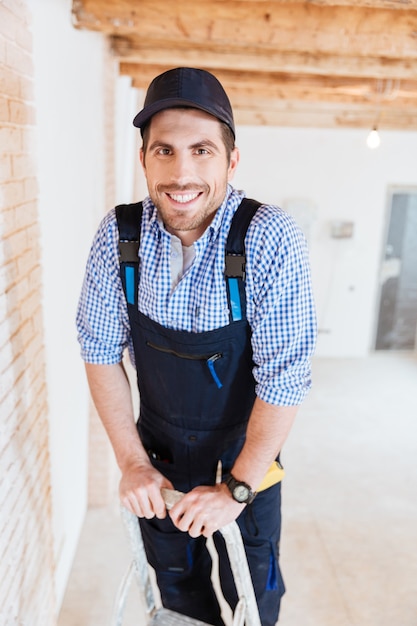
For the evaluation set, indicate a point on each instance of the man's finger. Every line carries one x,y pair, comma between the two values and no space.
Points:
132,505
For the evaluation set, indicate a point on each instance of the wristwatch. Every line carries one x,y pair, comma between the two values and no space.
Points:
241,492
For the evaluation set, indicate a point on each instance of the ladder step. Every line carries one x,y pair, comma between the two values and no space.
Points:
165,617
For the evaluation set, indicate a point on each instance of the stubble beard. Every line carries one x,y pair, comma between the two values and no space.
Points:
177,220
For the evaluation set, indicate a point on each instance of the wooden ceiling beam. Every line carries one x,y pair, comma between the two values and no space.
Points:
300,27
132,50
372,4
316,115
260,86
289,101
327,91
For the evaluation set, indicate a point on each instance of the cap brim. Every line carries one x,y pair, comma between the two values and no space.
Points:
145,115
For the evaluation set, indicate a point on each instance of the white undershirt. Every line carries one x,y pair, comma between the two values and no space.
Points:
182,257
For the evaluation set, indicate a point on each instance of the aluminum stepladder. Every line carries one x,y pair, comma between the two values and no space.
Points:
246,612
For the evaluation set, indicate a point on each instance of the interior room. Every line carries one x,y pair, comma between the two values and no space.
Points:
325,100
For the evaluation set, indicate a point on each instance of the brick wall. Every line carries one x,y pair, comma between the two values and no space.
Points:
26,548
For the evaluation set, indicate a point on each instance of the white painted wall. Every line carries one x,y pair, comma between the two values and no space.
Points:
335,173
69,109
128,102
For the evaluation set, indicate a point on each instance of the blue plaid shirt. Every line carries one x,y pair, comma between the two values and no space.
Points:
280,306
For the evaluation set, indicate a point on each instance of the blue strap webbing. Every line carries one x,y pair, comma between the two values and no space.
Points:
129,219
234,299
235,259
130,283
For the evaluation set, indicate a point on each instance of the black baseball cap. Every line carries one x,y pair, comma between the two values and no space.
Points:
189,87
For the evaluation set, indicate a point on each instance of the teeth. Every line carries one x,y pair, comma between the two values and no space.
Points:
183,198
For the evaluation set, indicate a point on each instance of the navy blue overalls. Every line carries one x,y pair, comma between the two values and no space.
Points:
196,394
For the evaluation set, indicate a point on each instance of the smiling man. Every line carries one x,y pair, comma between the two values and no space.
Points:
215,307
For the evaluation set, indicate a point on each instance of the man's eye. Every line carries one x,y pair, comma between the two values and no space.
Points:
163,151
202,151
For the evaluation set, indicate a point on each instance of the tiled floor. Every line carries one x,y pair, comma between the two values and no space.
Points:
349,545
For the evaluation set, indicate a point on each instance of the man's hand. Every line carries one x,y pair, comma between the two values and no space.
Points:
140,485
204,510
140,490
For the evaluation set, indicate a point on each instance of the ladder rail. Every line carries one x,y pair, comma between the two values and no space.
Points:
246,612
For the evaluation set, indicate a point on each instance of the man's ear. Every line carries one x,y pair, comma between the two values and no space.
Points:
142,158
234,160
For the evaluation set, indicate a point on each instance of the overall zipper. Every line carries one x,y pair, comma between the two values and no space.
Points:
210,359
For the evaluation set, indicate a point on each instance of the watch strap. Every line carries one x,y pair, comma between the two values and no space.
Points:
233,484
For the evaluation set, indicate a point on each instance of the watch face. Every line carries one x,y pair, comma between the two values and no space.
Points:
240,493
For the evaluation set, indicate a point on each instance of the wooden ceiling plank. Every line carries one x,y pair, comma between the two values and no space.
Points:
131,50
401,5
300,27
279,86
307,115
323,98
323,95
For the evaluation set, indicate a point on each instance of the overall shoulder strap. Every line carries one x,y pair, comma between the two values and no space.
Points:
235,261
129,219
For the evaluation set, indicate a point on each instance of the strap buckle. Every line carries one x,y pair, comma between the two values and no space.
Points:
128,251
235,266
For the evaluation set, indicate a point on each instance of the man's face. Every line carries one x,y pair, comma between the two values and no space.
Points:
187,170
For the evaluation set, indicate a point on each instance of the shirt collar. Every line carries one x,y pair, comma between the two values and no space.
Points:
216,223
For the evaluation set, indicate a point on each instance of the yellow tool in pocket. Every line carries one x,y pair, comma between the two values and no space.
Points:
274,475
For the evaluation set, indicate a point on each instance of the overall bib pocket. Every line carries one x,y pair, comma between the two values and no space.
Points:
209,359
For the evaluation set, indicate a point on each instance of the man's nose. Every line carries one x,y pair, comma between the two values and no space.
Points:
181,167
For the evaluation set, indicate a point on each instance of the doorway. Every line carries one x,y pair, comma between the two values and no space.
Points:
397,320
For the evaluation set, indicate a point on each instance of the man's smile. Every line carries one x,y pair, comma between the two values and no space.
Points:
183,198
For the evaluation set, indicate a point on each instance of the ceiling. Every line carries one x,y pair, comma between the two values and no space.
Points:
321,63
